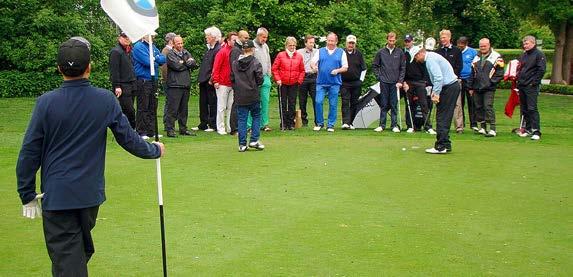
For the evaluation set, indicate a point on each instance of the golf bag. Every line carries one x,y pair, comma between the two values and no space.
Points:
418,116
368,108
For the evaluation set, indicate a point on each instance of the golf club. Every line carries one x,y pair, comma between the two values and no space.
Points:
409,110
281,110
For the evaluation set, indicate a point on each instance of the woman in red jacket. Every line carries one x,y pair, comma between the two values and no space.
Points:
288,71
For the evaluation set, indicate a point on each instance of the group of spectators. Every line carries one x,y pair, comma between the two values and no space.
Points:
330,72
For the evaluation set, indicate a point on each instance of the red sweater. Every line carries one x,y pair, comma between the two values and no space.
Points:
222,66
290,71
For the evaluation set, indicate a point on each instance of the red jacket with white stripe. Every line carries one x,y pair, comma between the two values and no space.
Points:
288,70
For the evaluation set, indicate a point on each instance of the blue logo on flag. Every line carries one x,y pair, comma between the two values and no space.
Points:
143,7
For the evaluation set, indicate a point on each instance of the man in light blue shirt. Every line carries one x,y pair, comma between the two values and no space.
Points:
445,92
468,55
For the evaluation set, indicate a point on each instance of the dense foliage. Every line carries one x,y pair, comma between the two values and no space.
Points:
31,30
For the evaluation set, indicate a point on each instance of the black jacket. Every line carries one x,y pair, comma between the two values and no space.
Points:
531,68
356,65
389,68
479,79
247,77
120,67
416,73
179,65
66,138
454,56
207,63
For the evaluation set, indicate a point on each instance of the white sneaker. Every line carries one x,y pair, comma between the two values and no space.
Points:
345,126
242,148
221,132
436,151
257,145
330,130
316,128
396,129
482,131
535,137
209,130
491,133
410,130
523,134
379,129
351,127
195,128
476,129
431,131
145,137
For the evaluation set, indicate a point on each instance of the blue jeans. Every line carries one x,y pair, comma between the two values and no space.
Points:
321,90
242,113
388,101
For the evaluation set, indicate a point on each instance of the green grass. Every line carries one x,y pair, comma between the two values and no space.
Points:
318,204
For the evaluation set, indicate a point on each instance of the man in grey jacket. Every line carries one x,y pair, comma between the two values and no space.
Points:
389,65
179,66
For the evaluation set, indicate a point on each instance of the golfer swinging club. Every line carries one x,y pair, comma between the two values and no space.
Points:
66,137
444,94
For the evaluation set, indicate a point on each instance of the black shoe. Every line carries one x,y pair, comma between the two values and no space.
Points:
171,134
187,133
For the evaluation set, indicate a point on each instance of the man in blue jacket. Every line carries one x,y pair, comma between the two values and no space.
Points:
468,55
146,86
66,138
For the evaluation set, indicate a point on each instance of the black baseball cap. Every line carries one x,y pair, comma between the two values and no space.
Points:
74,56
408,38
248,44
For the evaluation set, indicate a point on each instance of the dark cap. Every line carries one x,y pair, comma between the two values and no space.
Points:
248,44
408,38
74,56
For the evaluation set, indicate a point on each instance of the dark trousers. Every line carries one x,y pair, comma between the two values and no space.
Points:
528,104
306,89
288,102
176,108
470,103
417,96
207,106
146,107
128,92
485,113
444,113
69,241
388,101
350,92
243,112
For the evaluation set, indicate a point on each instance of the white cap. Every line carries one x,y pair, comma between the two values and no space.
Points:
351,38
413,51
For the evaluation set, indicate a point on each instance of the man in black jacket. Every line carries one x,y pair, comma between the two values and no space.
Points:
179,66
66,138
415,82
242,37
122,76
454,56
247,77
207,94
351,82
531,69
487,72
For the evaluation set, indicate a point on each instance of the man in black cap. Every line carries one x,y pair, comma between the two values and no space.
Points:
122,76
66,138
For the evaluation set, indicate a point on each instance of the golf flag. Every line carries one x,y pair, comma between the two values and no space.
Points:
513,100
136,18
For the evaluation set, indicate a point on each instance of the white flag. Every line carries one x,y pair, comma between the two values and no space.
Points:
136,18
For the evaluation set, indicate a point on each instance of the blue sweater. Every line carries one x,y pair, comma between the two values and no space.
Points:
140,55
468,56
66,137
327,63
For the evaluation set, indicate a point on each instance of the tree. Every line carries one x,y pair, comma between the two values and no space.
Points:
558,15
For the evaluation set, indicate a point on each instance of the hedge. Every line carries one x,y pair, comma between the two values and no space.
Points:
547,88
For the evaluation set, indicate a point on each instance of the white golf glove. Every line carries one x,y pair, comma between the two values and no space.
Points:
32,208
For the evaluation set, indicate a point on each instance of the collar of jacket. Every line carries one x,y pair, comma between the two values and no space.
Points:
76,83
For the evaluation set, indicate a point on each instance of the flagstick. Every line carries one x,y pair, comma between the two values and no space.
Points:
158,165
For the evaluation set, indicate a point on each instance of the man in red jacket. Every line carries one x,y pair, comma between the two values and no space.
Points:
288,71
222,81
